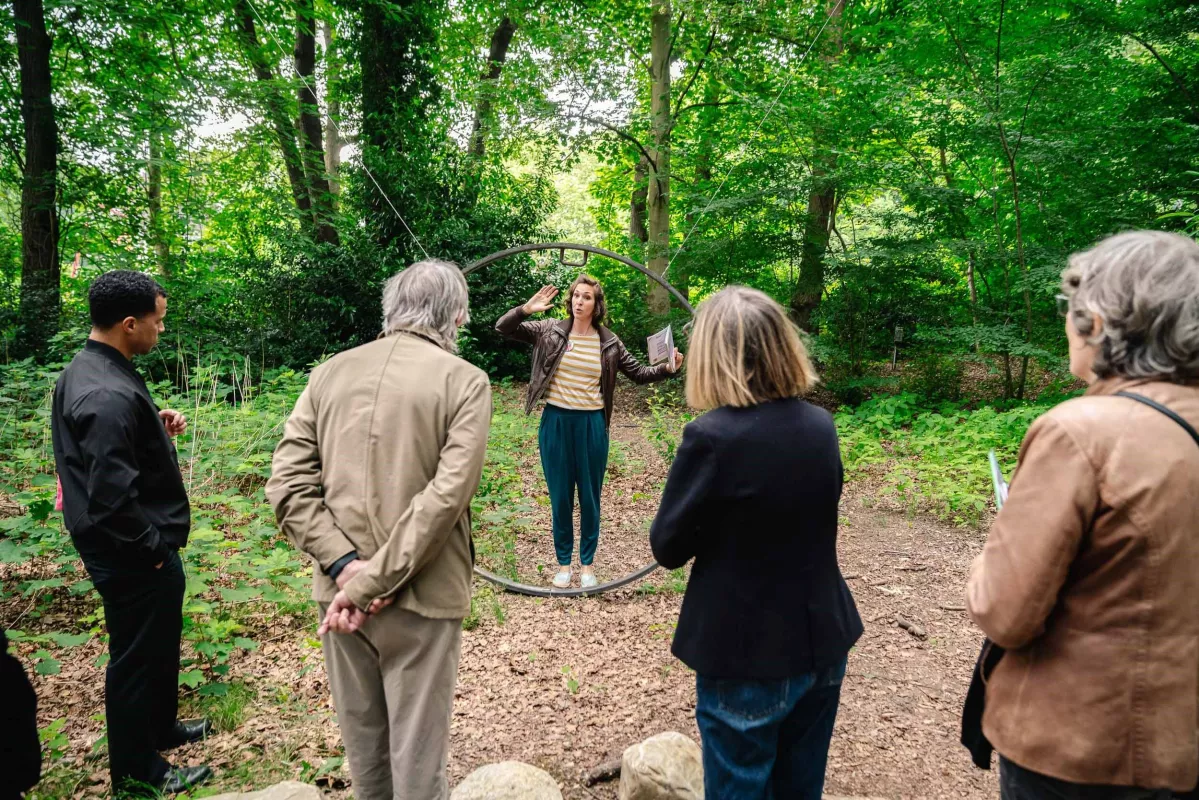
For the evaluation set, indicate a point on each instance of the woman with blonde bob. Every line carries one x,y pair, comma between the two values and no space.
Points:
752,496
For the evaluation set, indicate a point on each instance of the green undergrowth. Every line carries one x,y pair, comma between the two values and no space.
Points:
933,459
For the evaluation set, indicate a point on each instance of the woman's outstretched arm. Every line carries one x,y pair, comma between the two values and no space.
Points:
639,373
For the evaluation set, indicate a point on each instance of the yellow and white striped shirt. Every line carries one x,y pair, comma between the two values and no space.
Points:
576,382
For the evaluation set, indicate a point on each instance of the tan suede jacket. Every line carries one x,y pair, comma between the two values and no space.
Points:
1090,578
382,455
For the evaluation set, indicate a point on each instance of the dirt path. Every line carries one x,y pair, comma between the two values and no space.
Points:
897,730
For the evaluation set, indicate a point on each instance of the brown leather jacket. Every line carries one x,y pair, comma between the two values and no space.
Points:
549,338
1090,578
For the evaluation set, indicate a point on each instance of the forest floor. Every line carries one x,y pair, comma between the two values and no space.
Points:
569,684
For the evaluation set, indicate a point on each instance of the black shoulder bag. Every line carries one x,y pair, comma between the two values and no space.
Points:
976,696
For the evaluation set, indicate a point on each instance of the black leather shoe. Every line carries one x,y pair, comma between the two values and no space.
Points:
186,732
180,779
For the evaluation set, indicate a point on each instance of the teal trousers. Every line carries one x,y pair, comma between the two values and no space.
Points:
574,456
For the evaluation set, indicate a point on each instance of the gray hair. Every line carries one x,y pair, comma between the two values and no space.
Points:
428,298
1144,286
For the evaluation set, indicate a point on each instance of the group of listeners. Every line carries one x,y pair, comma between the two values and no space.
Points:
1088,587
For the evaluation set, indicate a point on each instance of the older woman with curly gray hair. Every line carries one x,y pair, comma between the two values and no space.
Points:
1090,576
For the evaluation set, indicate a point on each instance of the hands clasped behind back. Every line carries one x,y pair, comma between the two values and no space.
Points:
342,615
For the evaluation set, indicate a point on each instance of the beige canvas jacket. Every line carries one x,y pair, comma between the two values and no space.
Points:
382,455
1090,578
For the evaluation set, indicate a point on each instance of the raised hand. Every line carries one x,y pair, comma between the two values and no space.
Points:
542,301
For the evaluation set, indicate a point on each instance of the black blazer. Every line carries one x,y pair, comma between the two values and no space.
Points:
752,496
122,494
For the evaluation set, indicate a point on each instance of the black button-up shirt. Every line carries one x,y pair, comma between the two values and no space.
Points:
122,493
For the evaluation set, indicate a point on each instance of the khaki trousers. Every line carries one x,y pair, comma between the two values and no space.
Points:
393,685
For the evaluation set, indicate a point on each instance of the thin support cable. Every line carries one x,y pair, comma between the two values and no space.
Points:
365,169
761,122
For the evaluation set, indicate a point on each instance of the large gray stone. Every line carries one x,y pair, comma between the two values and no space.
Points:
668,766
508,780
288,790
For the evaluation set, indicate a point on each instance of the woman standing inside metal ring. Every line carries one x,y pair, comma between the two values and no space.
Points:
575,361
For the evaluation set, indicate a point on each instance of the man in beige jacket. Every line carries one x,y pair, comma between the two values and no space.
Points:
373,479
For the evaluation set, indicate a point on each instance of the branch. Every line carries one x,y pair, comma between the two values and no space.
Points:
969,65
1178,79
1027,105
623,134
678,29
698,68
14,151
999,50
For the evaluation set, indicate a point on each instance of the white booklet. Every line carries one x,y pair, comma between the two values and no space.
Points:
661,346
997,481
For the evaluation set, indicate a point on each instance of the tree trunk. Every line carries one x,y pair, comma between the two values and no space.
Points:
157,227
276,109
500,40
809,289
959,232
638,233
333,140
40,298
310,124
658,196
818,226
399,91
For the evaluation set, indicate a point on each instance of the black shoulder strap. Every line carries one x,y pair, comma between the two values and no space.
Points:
1140,398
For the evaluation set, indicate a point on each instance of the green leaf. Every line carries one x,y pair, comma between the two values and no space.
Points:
70,639
191,679
331,765
240,595
47,664
214,690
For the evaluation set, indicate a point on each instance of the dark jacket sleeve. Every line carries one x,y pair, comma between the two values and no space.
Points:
636,371
106,426
516,325
674,535
20,752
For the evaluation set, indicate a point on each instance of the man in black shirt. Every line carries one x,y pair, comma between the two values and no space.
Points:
126,508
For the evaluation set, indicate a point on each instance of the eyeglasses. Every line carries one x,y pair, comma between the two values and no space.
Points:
1063,305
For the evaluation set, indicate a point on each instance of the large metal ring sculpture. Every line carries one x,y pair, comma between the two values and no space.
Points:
587,250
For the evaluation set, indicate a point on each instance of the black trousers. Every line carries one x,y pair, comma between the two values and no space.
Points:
1018,783
143,610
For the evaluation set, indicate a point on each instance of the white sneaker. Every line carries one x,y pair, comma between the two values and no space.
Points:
562,579
588,580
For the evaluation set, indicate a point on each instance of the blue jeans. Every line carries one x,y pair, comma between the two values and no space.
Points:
764,740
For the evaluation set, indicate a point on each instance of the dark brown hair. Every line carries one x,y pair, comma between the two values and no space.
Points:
601,308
